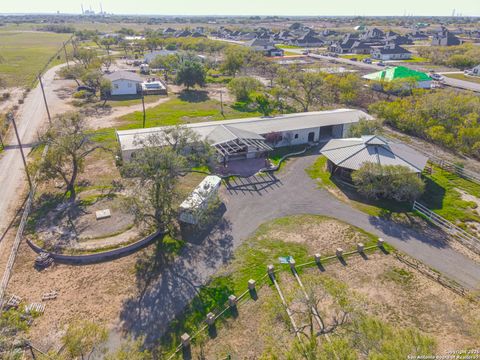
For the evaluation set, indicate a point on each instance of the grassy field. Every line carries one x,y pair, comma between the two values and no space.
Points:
392,301
119,101
475,79
355,56
24,54
194,107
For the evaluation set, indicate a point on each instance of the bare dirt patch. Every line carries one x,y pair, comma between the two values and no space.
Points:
94,292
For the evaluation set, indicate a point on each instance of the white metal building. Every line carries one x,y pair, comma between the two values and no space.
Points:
124,83
247,138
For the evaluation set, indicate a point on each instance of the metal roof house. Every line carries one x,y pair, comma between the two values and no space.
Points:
391,52
254,137
347,155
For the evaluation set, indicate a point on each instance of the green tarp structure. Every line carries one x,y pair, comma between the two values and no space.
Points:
395,73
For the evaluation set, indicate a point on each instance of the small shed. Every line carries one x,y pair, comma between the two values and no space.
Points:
192,208
347,155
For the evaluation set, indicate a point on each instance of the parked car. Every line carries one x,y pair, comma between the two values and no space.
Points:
85,88
381,63
437,77
367,61
353,59
306,52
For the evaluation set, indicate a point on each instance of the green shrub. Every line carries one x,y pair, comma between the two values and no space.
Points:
394,182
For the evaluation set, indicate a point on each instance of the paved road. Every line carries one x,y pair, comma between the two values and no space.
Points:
293,192
30,119
461,84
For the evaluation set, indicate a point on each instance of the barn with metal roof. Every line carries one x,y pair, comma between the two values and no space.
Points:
347,155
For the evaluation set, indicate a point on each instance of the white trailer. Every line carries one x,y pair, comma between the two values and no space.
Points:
191,209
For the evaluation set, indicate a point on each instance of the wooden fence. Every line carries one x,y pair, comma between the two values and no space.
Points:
470,241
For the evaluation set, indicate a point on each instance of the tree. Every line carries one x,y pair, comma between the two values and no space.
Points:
395,182
365,127
92,79
68,147
264,104
105,89
84,56
157,168
304,88
235,59
73,72
83,338
191,73
243,87
168,63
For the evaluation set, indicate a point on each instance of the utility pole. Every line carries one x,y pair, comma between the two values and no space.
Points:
66,56
1,142
44,98
143,105
221,103
12,119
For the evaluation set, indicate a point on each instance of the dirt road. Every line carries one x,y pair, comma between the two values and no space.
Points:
31,119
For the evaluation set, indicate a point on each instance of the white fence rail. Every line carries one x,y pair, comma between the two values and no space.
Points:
467,239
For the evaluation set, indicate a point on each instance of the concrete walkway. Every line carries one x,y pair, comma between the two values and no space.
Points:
251,202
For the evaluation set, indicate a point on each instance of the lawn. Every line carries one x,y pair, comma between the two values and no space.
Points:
416,59
119,101
24,54
355,56
195,107
475,79
441,195
282,46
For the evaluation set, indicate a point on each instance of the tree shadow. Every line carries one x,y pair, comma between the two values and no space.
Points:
171,296
433,195
194,96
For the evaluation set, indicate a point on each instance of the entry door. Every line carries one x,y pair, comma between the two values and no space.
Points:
311,136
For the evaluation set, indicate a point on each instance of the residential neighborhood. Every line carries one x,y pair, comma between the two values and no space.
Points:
255,180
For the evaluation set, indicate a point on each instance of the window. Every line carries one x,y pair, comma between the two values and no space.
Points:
280,138
115,86
296,136
129,84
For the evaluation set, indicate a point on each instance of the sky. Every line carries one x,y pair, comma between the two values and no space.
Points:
250,7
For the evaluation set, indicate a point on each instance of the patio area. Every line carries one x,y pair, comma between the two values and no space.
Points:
245,167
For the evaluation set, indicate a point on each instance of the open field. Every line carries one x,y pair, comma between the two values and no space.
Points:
24,54
376,288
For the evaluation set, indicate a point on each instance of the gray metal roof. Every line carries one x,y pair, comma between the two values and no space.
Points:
225,133
130,139
354,152
124,75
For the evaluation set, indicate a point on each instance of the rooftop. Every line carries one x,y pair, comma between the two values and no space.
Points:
399,72
124,75
352,153
259,125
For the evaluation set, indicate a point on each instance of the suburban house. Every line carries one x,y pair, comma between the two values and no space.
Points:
445,38
254,137
347,155
400,72
124,83
265,46
391,52
372,34
310,39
